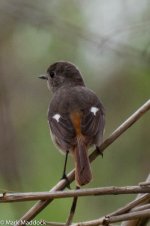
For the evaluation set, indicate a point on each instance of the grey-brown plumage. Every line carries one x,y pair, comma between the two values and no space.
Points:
76,116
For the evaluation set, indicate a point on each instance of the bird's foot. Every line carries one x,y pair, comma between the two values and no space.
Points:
64,177
99,151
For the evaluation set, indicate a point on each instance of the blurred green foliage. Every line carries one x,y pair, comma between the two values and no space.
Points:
112,50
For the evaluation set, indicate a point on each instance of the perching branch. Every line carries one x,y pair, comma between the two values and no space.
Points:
31,196
40,205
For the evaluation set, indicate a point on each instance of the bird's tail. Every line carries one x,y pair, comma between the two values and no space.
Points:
83,173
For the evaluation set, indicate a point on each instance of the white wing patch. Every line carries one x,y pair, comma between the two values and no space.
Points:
57,117
94,110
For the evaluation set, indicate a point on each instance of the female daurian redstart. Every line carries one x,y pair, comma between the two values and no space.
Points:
76,117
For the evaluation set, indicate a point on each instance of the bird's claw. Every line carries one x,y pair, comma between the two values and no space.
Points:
99,151
64,177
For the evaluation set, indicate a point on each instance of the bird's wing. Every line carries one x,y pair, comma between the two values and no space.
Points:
92,124
62,130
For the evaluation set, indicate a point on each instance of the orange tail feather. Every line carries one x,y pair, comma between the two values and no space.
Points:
83,173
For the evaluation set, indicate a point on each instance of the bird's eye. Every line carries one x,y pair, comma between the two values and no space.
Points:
52,74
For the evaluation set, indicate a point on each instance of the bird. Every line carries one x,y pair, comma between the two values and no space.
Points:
76,117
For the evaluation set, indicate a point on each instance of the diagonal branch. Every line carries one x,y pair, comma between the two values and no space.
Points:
40,205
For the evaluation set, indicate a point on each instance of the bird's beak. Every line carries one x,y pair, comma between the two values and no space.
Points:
43,77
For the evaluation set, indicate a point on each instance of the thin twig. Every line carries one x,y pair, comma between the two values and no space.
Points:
40,205
142,207
73,209
114,219
131,205
129,216
115,215
139,221
108,220
146,183
31,196
118,212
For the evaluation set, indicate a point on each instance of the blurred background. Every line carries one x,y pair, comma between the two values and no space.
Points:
110,42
